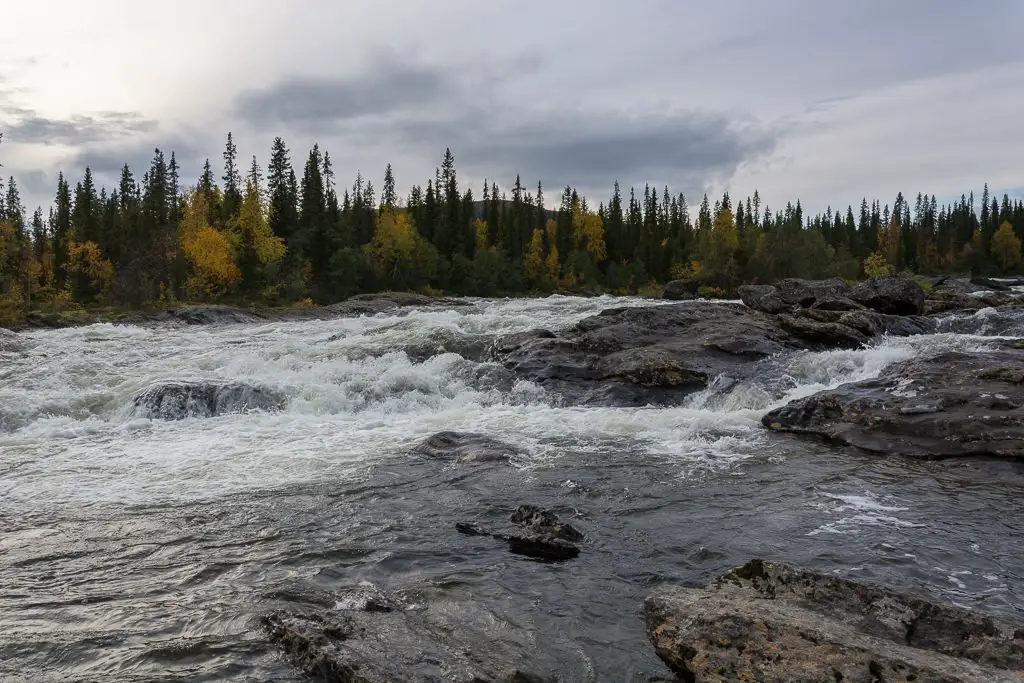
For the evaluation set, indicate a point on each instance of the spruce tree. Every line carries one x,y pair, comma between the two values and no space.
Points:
232,181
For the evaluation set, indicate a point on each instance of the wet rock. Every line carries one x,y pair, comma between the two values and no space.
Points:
661,354
466,447
179,400
210,315
9,341
681,290
635,356
542,535
764,298
771,622
785,295
950,405
545,522
424,638
894,294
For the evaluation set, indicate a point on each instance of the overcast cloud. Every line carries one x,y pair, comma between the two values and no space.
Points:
824,101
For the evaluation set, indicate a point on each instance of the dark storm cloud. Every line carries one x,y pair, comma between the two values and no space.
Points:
586,148
28,127
317,103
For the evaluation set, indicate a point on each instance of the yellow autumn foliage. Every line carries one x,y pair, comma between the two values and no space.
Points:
480,229
253,229
210,252
85,258
588,229
1006,248
533,262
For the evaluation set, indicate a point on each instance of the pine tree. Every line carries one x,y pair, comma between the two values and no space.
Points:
232,181
388,198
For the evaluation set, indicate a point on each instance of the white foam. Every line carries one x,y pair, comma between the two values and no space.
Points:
357,390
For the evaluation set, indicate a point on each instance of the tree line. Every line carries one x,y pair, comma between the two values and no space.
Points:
274,238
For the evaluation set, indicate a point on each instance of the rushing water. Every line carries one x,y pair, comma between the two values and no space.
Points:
134,548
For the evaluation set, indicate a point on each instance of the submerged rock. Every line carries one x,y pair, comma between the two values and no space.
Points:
774,623
466,447
949,405
419,638
179,400
9,341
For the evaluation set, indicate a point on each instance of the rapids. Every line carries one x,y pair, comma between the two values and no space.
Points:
134,547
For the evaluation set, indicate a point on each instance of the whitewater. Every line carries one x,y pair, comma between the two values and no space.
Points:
141,548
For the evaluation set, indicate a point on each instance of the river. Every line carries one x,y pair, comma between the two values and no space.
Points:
134,548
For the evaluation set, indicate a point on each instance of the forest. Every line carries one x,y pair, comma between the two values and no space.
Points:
277,237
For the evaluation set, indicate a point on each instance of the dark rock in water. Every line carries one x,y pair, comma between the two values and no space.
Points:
542,547
210,315
179,400
544,536
424,639
466,447
950,405
774,623
764,298
545,522
989,283
634,356
960,294
785,295
661,354
9,341
680,290
895,295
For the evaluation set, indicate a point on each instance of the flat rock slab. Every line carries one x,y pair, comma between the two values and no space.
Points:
950,405
771,622
413,638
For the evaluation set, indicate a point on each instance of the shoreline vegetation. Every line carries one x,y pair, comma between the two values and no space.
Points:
284,240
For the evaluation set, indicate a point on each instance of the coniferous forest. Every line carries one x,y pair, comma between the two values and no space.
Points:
290,235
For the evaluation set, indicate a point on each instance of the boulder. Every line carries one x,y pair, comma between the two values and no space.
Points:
661,354
774,623
636,356
465,447
679,290
764,298
210,315
541,534
414,636
179,400
786,295
893,294
949,405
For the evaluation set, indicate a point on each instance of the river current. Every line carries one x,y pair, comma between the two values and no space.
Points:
141,549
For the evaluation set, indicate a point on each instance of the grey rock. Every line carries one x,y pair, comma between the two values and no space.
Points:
775,623
895,295
422,637
661,354
466,447
764,298
179,400
950,405
680,290
540,534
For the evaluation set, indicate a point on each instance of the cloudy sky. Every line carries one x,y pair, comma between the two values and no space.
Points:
818,99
